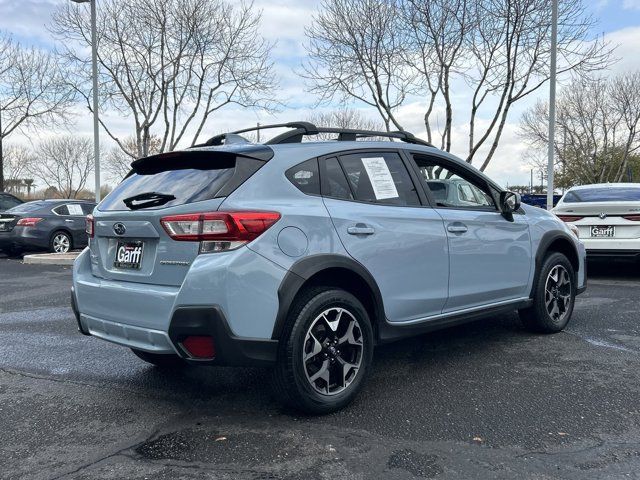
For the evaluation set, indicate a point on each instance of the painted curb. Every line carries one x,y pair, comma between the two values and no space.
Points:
51,259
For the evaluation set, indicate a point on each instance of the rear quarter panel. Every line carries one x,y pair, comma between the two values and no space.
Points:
304,228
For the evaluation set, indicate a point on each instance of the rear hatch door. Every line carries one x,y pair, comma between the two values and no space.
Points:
130,243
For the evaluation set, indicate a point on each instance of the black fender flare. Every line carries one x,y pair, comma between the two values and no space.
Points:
304,269
543,247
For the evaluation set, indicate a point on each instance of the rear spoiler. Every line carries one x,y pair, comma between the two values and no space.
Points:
201,158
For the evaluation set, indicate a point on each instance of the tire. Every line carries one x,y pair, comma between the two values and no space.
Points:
332,328
553,297
60,242
160,359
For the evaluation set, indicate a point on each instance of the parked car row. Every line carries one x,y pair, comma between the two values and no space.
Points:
56,226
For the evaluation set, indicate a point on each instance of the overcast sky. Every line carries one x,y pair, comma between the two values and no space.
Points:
284,21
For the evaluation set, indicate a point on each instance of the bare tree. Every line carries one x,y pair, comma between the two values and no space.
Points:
342,118
169,65
33,90
598,125
17,159
495,52
438,37
512,50
118,161
355,51
64,164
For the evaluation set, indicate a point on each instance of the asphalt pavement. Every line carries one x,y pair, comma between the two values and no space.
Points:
481,401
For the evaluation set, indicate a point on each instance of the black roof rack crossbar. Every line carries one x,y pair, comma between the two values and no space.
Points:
225,137
302,129
345,135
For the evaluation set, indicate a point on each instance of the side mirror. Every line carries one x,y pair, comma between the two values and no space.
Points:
509,202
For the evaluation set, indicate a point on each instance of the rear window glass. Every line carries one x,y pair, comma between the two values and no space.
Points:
615,194
305,177
27,207
61,210
180,180
7,202
88,208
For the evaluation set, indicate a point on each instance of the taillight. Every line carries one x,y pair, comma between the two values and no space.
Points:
634,218
218,231
28,222
569,218
90,226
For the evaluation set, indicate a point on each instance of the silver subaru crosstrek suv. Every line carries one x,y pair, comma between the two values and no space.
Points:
302,256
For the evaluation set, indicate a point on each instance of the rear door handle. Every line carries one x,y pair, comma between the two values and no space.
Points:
68,220
457,227
360,229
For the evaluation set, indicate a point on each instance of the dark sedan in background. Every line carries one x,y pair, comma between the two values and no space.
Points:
53,225
8,201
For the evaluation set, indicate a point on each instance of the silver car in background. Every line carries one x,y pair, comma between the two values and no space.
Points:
607,217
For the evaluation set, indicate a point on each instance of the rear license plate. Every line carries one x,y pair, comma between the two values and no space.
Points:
603,231
4,227
129,255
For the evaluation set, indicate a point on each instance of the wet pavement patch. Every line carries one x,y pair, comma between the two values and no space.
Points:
193,445
419,465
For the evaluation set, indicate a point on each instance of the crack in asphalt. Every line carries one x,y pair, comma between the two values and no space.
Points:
105,457
601,443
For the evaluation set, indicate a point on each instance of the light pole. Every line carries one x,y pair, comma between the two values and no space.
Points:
96,124
552,102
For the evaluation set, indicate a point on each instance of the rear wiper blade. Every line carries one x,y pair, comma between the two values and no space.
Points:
147,199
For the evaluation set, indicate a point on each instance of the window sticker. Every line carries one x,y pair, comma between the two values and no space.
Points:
380,177
75,209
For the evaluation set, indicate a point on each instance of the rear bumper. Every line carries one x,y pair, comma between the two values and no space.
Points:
24,238
186,321
602,245
213,301
603,254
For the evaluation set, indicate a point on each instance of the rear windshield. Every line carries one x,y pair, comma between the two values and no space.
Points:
179,180
615,194
27,207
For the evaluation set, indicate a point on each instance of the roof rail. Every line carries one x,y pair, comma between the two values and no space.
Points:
302,129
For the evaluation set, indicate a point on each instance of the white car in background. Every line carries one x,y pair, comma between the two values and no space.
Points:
607,217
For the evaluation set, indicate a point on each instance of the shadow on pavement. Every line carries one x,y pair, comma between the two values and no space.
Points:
613,268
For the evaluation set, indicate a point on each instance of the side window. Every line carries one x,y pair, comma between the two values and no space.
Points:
75,209
380,178
87,208
62,210
334,182
305,177
452,188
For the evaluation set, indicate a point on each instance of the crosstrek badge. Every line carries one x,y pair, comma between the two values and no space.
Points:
128,255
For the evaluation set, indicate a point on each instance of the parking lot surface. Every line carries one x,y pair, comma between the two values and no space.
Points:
484,400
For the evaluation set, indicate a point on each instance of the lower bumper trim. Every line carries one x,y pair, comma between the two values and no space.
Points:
606,254
230,350
153,341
